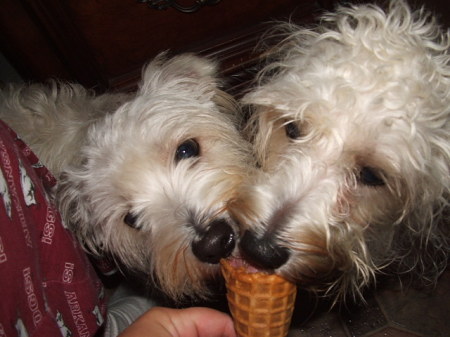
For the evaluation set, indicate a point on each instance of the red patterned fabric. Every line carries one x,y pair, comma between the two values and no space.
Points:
47,285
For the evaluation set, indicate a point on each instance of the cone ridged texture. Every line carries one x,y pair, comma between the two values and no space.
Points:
261,304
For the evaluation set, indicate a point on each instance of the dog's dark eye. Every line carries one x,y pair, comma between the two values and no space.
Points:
292,130
370,177
188,149
131,220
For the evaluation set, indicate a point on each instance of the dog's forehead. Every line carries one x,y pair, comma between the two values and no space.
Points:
342,100
164,113
164,125
366,127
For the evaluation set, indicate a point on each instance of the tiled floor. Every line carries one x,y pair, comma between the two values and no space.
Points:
389,312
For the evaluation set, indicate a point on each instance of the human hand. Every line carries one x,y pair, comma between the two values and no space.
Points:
191,322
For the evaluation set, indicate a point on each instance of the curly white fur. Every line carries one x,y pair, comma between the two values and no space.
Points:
351,128
123,158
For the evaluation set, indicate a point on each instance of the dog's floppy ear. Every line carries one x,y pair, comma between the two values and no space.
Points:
185,67
73,207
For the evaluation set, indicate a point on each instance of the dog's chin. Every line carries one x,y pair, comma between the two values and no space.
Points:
191,284
175,285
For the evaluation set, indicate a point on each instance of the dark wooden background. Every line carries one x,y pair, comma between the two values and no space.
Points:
103,44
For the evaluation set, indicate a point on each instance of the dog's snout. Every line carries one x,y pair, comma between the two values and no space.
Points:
263,251
216,242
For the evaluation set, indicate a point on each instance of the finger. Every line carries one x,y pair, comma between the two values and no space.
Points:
191,322
205,322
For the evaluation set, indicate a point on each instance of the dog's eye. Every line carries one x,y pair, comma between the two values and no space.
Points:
188,149
292,130
131,220
370,177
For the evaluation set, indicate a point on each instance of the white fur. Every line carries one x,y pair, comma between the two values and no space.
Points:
114,154
367,89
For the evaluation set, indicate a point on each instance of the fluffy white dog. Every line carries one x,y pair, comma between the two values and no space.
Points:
351,125
143,177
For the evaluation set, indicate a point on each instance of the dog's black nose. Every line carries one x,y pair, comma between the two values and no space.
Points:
262,251
216,242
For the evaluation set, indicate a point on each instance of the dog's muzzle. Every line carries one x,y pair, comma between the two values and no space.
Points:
215,243
263,252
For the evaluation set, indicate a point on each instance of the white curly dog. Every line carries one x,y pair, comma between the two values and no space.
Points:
350,126
145,177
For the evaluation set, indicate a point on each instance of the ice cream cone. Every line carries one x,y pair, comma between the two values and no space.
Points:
261,304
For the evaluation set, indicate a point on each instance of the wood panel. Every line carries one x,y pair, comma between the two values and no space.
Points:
104,43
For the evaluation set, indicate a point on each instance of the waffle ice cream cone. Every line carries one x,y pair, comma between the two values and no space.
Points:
261,304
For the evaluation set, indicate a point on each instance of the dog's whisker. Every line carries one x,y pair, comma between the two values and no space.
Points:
187,263
309,249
